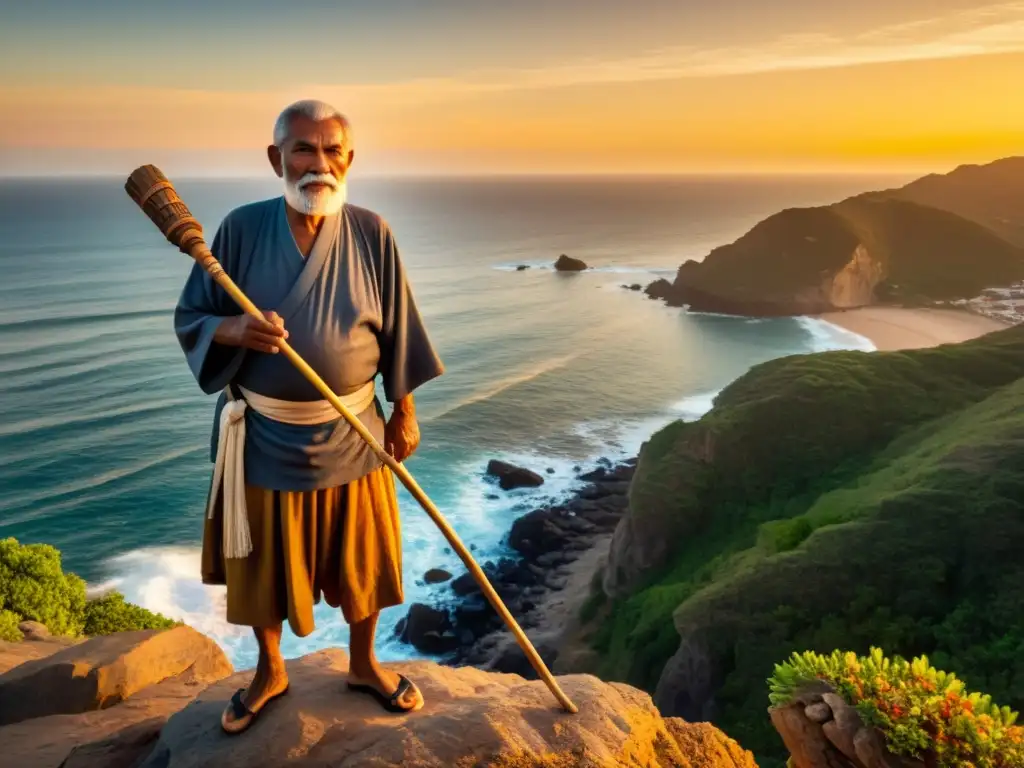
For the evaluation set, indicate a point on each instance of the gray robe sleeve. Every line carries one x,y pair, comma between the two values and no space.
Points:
407,358
202,306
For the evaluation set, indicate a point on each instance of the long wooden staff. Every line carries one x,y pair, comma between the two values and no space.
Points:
156,196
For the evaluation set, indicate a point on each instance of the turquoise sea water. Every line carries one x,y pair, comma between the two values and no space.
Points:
104,434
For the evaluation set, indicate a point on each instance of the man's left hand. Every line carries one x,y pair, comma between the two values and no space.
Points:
401,435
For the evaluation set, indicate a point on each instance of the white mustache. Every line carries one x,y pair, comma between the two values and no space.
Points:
317,178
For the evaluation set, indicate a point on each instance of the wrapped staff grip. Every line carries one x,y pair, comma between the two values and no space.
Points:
156,196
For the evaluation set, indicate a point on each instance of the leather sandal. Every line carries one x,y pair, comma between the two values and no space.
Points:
390,703
243,716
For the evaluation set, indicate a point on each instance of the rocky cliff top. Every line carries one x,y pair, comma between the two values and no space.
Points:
154,698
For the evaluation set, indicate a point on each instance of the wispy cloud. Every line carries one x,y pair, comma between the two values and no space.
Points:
988,30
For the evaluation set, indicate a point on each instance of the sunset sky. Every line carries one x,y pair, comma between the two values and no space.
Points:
481,86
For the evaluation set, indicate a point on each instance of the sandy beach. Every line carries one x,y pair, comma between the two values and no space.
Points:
892,328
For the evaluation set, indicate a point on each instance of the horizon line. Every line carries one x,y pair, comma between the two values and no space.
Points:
403,175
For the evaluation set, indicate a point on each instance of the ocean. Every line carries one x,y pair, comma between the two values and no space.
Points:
104,433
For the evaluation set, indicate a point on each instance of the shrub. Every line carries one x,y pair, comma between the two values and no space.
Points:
33,586
111,613
922,712
9,631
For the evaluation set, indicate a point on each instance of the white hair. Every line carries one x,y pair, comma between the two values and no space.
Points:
314,109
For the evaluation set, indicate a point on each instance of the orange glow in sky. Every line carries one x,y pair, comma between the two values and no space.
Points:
933,87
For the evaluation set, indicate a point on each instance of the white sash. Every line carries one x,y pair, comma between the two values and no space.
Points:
229,466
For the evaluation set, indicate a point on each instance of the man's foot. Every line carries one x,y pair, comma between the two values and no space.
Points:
395,692
247,703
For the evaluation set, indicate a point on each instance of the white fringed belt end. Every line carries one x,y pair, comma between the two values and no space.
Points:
229,467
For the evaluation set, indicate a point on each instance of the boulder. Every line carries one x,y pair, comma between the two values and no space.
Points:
465,585
13,654
116,737
436,576
33,630
536,533
422,626
569,264
472,718
105,670
510,476
521,267
111,716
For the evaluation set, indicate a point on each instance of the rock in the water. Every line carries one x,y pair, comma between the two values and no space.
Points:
659,289
550,470
636,287
510,476
105,670
419,622
471,718
535,533
33,630
569,264
436,576
521,267
465,585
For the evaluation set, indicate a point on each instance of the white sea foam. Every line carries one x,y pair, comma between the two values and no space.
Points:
826,336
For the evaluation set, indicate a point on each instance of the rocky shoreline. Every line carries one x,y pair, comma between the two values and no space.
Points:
462,629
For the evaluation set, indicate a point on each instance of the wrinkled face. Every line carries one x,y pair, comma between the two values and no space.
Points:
313,162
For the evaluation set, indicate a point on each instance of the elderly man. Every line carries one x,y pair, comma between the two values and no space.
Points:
315,512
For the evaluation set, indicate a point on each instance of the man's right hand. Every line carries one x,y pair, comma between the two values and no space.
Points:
251,333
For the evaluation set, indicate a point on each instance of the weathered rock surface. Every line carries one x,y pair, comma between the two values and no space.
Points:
820,730
510,476
13,654
111,715
569,264
472,718
104,671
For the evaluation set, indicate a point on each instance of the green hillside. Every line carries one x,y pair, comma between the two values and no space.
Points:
837,500
989,194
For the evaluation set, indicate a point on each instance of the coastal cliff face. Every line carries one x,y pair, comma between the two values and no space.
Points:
853,285
663,505
936,239
823,502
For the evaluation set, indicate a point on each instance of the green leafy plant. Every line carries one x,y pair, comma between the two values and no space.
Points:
33,586
112,613
922,712
9,622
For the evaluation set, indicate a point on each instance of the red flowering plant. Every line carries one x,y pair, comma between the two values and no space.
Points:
922,713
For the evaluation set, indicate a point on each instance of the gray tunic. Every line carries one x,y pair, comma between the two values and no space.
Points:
350,314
